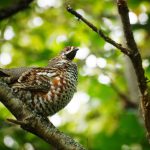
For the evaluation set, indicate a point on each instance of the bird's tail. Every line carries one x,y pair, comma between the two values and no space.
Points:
3,73
12,75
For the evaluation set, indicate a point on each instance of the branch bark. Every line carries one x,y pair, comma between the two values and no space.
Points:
13,9
35,124
131,51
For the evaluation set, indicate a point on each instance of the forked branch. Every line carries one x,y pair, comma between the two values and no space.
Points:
136,61
131,51
99,31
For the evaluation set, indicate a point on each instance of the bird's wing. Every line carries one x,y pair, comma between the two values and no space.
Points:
36,79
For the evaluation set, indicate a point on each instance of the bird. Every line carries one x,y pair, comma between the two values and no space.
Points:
45,90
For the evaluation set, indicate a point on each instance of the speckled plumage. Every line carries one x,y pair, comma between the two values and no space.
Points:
47,90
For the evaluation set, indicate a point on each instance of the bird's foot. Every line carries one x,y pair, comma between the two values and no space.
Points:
21,122
18,122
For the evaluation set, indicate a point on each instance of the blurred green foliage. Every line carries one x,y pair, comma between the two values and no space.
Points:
97,116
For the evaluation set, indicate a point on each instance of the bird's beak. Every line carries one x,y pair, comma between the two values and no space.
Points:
76,49
72,53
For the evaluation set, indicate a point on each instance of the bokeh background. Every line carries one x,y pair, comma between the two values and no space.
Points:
104,113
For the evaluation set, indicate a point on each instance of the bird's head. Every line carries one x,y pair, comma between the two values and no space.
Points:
69,52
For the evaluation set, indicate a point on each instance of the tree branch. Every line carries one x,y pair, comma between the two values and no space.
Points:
136,61
35,124
100,32
135,55
13,9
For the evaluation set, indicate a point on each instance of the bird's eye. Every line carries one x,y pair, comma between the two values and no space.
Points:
68,48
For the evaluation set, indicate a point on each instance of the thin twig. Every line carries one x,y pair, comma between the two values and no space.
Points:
98,31
13,9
